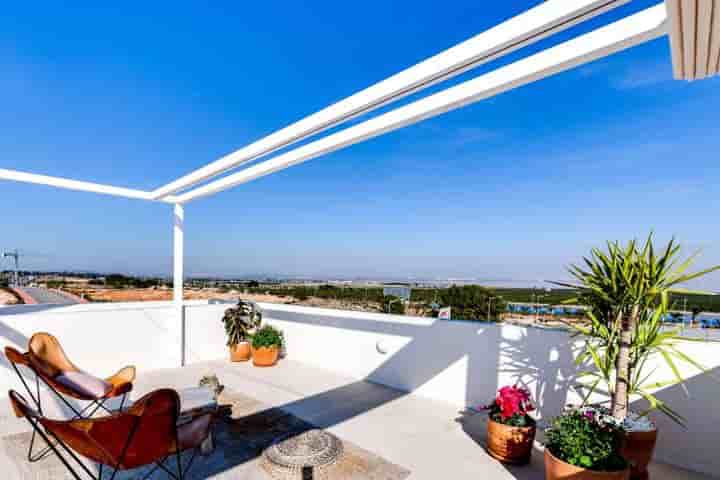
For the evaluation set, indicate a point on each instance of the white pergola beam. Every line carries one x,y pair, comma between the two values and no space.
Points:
633,30
77,185
537,23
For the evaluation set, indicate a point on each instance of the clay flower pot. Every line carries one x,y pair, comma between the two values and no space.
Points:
638,450
510,444
556,469
265,356
240,352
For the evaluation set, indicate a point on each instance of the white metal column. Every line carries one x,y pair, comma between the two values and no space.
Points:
178,273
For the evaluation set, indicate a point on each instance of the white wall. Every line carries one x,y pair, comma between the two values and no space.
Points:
462,363
465,362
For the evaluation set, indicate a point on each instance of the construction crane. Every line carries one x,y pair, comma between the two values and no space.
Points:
16,255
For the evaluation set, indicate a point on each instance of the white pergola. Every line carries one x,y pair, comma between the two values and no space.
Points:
693,27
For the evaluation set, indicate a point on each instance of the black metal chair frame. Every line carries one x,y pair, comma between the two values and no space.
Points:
179,475
37,400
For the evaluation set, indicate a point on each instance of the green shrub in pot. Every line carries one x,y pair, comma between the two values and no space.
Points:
589,438
267,337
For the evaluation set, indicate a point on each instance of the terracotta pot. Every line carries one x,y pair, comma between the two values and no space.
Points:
638,449
240,352
509,444
556,469
265,356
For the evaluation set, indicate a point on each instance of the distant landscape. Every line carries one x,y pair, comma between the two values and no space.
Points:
467,301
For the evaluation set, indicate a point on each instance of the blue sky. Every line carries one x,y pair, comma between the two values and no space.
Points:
515,187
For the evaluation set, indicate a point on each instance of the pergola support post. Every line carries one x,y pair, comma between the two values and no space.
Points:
179,275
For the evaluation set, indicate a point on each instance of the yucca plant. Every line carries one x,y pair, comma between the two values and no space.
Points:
627,290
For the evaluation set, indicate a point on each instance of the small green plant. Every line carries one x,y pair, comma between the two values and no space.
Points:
240,321
267,336
587,437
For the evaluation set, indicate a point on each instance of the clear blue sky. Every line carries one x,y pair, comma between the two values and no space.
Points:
515,187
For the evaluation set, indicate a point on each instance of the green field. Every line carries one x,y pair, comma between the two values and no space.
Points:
474,296
706,303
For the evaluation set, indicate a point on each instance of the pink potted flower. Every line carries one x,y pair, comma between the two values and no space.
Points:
511,430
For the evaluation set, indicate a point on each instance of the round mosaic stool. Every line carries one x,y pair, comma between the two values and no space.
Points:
309,455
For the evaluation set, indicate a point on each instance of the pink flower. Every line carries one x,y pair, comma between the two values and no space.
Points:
513,400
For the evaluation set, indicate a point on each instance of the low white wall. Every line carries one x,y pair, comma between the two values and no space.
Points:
462,363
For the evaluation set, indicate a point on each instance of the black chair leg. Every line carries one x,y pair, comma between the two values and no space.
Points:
36,456
52,446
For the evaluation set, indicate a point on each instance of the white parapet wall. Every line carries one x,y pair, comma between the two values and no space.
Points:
461,363
99,337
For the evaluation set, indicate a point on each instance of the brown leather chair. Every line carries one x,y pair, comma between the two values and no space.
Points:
48,361
146,433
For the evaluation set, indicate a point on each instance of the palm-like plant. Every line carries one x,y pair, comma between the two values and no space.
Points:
627,290
240,321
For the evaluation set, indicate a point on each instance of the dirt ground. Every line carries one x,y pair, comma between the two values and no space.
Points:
145,294
7,298
160,294
526,320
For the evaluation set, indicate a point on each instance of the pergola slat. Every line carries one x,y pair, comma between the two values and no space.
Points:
77,185
633,30
688,13
674,13
702,50
694,38
535,24
714,53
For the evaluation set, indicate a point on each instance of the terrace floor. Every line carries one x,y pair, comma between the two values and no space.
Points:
421,435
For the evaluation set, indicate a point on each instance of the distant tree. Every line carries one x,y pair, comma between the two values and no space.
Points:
394,305
471,302
117,280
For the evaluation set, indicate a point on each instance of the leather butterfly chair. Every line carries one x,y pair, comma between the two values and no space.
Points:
146,433
48,361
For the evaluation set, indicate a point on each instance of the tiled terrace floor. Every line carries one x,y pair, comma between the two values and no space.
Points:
420,435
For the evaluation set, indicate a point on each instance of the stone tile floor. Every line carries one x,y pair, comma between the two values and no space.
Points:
421,435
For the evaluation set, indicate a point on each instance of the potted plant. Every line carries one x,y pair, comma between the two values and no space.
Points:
240,321
585,443
510,430
627,290
266,345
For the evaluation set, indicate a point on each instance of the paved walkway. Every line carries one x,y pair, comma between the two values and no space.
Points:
45,296
421,435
